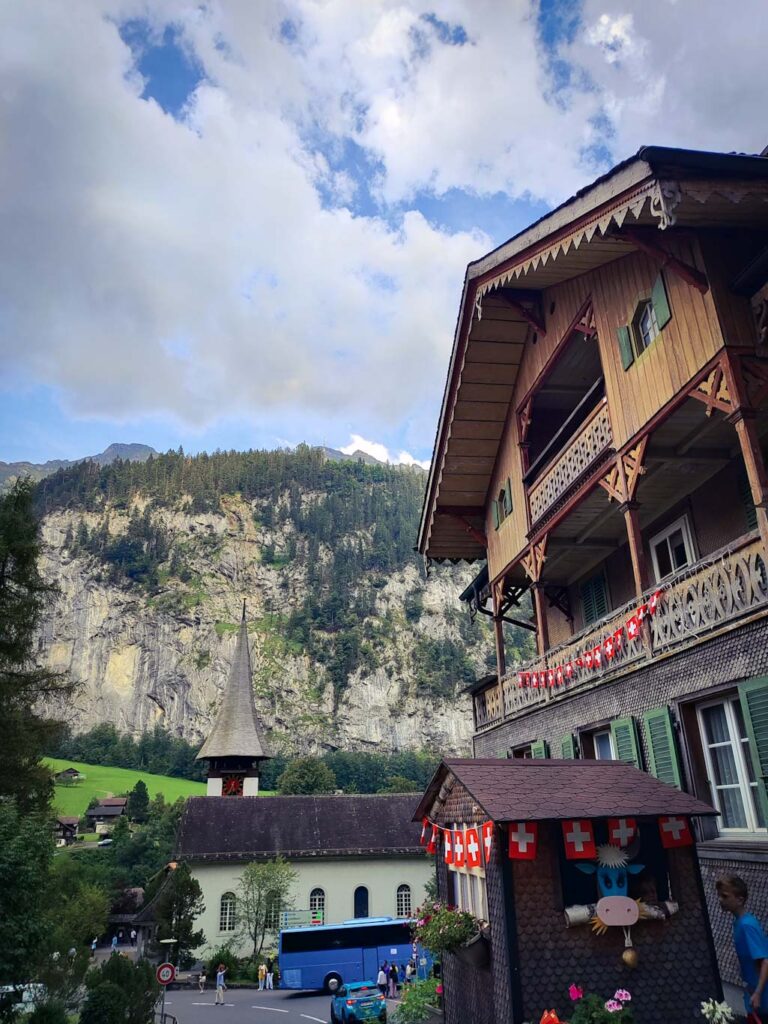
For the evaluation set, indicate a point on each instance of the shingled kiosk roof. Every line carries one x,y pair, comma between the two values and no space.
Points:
237,731
247,828
539,790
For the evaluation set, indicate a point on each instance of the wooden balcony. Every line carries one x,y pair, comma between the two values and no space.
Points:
705,599
565,471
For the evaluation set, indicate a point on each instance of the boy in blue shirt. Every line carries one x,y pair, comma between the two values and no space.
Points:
750,943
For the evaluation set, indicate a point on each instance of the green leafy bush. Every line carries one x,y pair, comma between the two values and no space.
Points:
53,1011
417,997
223,955
442,929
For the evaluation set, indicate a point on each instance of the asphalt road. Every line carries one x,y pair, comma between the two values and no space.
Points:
249,1006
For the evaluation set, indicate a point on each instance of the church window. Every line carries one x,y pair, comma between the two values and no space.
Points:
403,908
272,916
227,912
317,906
361,901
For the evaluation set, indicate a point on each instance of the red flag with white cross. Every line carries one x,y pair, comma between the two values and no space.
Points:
675,831
523,840
424,826
633,628
588,659
472,839
551,677
432,844
579,839
559,676
597,656
459,848
609,647
621,831
654,602
568,670
448,847
487,833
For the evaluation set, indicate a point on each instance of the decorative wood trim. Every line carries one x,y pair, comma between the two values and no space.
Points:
622,479
754,373
530,316
712,389
524,419
651,247
534,561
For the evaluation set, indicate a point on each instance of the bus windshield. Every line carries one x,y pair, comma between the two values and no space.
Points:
328,956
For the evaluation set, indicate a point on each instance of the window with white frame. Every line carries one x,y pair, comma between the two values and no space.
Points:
272,916
603,742
645,326
672,549
403,901
729,765
469,886
227,908
317,905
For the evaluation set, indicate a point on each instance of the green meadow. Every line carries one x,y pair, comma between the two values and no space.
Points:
100,782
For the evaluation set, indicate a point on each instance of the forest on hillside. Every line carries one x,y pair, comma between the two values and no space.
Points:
346,527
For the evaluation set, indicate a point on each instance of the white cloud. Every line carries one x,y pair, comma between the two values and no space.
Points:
380,451
188,267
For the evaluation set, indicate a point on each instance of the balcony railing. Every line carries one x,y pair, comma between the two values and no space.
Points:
592,439
711,595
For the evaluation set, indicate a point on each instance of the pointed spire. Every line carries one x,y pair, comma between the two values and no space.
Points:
237,731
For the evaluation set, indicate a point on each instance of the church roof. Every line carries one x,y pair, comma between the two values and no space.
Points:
237,731
246,828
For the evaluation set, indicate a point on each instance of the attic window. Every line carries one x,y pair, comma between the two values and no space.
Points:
645,326
502,506
651,316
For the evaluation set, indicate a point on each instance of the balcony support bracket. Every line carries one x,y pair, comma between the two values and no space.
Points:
657,252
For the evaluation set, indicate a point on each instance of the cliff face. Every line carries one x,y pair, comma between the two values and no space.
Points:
163,657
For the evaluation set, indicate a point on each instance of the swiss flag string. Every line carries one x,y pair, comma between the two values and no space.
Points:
595,657
470,847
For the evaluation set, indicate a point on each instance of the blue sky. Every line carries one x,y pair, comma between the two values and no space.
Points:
242,225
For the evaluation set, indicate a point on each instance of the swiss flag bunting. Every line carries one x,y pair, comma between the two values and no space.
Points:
432,844
458,849
523,840
675,831
472,840
424,825
609,647
597,657
579,839
448,848
588,659
633,627
653,603
487,832
568,670
621,831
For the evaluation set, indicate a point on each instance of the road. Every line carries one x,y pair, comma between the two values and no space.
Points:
249,1006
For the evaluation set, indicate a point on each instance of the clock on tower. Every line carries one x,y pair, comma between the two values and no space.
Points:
232,785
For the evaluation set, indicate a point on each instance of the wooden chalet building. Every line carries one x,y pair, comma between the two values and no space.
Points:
602,450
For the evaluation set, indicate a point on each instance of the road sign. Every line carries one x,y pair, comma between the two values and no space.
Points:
165,974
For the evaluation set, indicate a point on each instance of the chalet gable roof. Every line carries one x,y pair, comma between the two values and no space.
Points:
237,829
517,789
657,188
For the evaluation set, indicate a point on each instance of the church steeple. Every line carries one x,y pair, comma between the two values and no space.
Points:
235,746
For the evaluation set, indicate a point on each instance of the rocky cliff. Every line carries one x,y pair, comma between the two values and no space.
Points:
162,654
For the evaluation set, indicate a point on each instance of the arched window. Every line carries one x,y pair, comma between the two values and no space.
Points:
227,912
361,901
403,907
317,906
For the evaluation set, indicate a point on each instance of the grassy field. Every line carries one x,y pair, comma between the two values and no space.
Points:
101,782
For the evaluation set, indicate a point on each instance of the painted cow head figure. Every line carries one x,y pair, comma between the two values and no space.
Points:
612,869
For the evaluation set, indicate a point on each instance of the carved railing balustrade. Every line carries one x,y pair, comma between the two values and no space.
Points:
726,586
488,707
592,439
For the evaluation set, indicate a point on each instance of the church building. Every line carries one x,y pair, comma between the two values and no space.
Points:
354,856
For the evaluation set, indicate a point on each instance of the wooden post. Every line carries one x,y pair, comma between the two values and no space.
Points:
542,632
744,421
636,551
498,635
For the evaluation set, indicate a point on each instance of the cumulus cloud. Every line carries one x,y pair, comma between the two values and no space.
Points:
380,451
224,260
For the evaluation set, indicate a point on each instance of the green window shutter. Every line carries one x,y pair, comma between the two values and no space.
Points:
745,495
568,746
594,598
661,302
660,743
625,347
539,749
625,743
508,498
496,518
754,705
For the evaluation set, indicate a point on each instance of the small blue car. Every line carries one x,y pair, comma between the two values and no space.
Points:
359,1000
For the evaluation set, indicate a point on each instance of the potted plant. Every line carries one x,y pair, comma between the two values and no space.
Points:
441,929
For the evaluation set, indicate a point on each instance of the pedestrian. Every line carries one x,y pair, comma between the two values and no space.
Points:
221,970
270,973
750,943
381,980
201,980
120,936
409,972
114,943
94,944
262,976
133,936
393,981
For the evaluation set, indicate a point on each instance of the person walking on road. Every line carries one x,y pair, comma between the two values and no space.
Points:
381,981
133,937
201,981
262,976
270,974
114,943
221,970
393,981
94,944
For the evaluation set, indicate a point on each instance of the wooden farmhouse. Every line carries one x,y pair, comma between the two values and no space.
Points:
601,455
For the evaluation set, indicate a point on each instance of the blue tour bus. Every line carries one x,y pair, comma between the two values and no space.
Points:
328,955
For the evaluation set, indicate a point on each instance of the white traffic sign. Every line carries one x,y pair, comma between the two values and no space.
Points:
165,974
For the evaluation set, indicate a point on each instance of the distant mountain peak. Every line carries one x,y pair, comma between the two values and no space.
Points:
10,471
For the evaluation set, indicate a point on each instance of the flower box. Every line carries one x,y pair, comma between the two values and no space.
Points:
476,952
